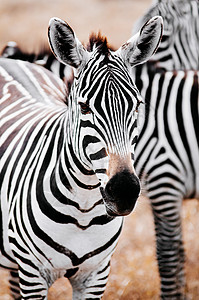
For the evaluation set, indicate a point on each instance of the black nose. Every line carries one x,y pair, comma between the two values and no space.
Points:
121,193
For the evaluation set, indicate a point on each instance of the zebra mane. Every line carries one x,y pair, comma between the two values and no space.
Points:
99,42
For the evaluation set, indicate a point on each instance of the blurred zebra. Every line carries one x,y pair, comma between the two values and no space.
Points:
179,48
167,154
44,58
166,161
67,174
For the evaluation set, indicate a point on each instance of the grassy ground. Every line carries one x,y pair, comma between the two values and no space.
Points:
134,272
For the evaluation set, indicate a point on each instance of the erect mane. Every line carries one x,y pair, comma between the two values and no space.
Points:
99,42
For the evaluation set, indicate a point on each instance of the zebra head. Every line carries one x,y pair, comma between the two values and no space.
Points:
103,107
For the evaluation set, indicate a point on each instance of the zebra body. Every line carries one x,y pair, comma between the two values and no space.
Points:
67,174
170,126
167,153
68,238
166,161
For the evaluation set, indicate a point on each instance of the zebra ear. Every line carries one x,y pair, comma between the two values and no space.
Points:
144,44
64,44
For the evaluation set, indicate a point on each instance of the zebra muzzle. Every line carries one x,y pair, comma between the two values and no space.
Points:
121,193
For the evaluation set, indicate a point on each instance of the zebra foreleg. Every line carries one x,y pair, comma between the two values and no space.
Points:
32,285
14,284
170,250
92,285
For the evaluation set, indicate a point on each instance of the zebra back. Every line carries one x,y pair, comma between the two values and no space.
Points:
44,58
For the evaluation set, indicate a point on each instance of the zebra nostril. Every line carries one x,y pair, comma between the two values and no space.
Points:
122,192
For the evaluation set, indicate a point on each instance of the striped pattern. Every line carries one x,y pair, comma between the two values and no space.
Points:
67,161
44,58
50,196
179,48
167,156
118,130
165,161
39,180
167,149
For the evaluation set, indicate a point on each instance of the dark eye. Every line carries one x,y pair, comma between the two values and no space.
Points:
85,109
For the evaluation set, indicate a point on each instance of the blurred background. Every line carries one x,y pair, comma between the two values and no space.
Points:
134,273
26,21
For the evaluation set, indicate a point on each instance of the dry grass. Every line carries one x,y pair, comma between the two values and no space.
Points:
134,272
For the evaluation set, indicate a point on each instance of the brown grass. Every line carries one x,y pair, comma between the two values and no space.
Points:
134,272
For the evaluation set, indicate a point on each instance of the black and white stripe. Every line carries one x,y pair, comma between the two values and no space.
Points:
179,48
166,155
67,174
44,58
166,161
167,148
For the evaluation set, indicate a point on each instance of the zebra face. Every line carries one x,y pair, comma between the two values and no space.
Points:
108,105
104,105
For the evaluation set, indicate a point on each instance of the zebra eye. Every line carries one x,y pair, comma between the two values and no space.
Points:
85,109
138,104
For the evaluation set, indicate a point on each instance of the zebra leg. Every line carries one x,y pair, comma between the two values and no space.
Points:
91,285
170,250
32,285
14,284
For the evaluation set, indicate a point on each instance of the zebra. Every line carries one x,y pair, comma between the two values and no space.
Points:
170,78
166,160
67,175
179,48
166,153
